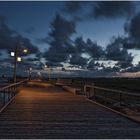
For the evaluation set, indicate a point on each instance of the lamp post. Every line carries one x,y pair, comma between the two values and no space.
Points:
15,65
16,59
29,73
49,72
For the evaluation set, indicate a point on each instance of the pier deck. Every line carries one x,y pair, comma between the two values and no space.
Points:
51,112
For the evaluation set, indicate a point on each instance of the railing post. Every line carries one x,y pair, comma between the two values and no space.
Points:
105,98
8,92
92,90
89,93
3,97
120,102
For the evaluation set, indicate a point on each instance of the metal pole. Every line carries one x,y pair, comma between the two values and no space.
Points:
15,65
120,102
49,72
29,75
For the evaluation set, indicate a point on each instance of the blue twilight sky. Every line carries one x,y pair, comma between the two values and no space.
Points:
22,16
32,19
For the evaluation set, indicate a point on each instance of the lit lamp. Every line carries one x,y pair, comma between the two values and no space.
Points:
16,59
12,54
25,50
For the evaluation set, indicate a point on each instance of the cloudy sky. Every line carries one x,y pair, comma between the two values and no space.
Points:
94,36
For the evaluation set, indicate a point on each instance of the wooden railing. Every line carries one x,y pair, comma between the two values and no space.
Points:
9,91
116,99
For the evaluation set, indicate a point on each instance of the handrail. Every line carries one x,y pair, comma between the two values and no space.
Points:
117,91
120,101
14,84
113,90
8,92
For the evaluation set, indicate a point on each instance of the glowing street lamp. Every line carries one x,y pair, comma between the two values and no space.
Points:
25,51
16,59
12,54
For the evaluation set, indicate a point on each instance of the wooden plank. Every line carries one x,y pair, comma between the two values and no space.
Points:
51,112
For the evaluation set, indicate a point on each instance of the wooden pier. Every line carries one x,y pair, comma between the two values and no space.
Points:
48,112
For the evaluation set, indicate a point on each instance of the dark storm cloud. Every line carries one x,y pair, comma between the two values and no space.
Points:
133,27
39,55
124,64
134,68
111,9
115,51
89,48
6,60
62,29
78,60
59,39
129,43
26,43
94,50
32,59
56,54
53,64
27,65
92,65
73,6
6,35
9,39
100,9
110,69
133,30
76,51
79,45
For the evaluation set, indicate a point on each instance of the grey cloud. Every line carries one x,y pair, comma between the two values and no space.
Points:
53,64
111,69
39,55
92,65
31,59
26,43
9,39
59,39
133,30
62,29
112,9
79,45
100,9
124,64
94,50
133,27
115,51
56,54
78,60
134,68
73,6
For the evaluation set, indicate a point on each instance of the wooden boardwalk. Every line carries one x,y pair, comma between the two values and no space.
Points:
51,112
